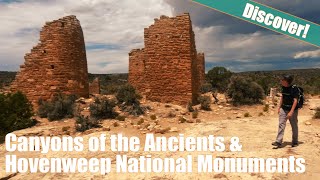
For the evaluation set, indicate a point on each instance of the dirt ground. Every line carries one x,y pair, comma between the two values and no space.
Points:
256,134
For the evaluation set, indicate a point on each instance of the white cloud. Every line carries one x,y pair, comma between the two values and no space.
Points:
220,46
113,22
308,54
120,24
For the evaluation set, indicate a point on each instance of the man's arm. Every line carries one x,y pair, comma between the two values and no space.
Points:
280,104
295,102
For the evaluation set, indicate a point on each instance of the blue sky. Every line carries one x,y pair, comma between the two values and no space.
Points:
9,1
112,28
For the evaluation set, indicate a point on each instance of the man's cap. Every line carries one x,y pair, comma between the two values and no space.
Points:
288,78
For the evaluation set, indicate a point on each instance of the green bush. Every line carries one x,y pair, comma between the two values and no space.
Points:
15,113
205,88
219,77
171,114
60,107
103,109
243,91
205,102
266,108
135,109
110,89
182,119
195,114
153,117
44,108
121,118
66,128
128,100
265,82
116,124
141,121
85,123
317,113
128,95
247,114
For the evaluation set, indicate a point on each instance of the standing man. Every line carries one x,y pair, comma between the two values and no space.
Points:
288,109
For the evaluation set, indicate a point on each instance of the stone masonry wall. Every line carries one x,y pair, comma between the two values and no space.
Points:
201,67
57,64
94,87
137,69
167,69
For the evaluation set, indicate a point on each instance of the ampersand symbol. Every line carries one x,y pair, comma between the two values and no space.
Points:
235,146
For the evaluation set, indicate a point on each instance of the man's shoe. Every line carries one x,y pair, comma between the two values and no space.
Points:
294,144
276,144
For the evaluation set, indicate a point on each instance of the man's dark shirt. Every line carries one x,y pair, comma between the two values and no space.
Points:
288,94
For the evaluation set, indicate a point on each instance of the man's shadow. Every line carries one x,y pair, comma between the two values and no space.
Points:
287,143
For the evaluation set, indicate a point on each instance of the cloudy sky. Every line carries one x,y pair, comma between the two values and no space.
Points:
113,27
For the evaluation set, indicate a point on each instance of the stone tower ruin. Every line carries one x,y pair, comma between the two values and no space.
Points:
168,69
57,64
94,86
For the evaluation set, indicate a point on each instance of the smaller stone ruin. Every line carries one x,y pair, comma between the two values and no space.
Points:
94,87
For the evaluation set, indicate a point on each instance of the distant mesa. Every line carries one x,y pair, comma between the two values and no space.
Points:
168,69
58,64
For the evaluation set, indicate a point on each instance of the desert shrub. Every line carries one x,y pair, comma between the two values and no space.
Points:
135,109
65,128
265,82
110,89
247,114
120,118
182,119
171,114
243,91
146,125
219,77
153,117
129,102
266,108
195,114
44,108
85,123
205,88
205,102
15,113
60,107
141,121
116,124
6,78
103,109
317,113
128,95
261,114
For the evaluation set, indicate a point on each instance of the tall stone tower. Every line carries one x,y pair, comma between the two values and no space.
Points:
168,69
57,64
